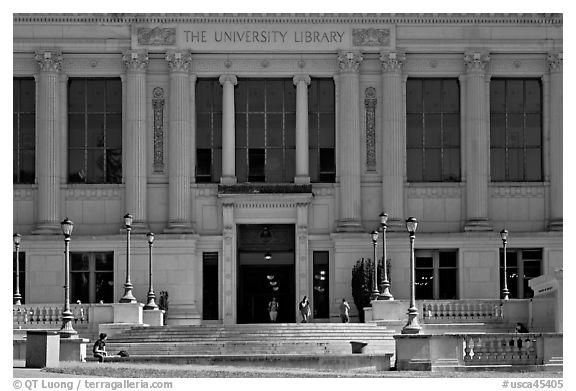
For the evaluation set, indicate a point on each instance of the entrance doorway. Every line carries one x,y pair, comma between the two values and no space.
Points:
266,269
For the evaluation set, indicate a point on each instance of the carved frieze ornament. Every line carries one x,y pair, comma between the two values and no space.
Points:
156,36
370,105
179,61
158,108
350,61
136,61
49,61
476,61
392,61
555,61
371,37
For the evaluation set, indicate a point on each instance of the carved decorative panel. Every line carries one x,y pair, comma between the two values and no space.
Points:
158,107
371,37
370,104
157,36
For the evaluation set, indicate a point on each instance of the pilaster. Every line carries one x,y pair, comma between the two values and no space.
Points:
477,141
302,167
135,173
393,145
228,130
228,265
302,265
555,113
349,128
179,167
48,141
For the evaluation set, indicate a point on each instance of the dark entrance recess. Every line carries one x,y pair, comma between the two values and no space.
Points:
260,279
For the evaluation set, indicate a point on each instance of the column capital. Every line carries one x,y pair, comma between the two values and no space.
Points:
179,61
136,61
349,62
301,79
49,60
392,61
476,61
555,62
228,79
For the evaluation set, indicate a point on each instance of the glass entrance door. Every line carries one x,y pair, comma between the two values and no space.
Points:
266,270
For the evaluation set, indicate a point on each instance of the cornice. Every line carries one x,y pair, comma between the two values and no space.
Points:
323,18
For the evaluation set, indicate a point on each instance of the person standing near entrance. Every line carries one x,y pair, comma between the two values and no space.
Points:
305,309
344,308
273,309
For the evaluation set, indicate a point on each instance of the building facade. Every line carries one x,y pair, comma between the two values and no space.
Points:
261,149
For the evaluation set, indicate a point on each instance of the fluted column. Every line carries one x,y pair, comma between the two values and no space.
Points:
477,141
136,63
555,114
48,142
179,165
393,145
228,130
302,167
349,138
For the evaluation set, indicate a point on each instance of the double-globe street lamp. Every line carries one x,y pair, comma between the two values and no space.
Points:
413,326
385,288
505,291
67,331
151,304
128,296
17,295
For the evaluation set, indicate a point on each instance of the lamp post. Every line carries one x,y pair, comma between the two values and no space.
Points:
67,331
128,296
413,326
375,292
151,304
385,290
505,291
17,295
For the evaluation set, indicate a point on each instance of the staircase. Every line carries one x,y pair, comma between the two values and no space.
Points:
252,339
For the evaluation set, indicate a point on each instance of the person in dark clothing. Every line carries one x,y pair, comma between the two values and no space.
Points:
520,328
99,349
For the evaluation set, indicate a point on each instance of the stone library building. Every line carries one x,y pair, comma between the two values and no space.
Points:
261,150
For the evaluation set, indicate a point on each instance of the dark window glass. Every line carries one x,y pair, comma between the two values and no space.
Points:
92,277
322,131
22,274
209,131
515,130
265,130
521,266
24,130
210,286
321,284
94,130
436,274
433,130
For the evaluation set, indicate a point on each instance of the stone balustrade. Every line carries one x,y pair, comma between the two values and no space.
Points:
444,310
501,349
48,314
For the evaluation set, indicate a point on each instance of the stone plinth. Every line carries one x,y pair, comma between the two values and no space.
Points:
390,310
42,349
128,313
428,352
73,349
154,317
101,313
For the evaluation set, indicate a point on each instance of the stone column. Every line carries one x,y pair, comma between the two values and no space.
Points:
179,165
555,113
349,138
48,142
476,141
393,145
135,148
229,280
302,167
228,130
302,268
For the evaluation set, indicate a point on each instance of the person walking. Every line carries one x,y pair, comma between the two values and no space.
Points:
273,307
305,311
344,310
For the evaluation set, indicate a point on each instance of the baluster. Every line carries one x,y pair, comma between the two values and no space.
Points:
436,312
457,310
38,315
424,311
54,316
449,311
44,314
477,349
503,352
467,349
531,352
482,310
